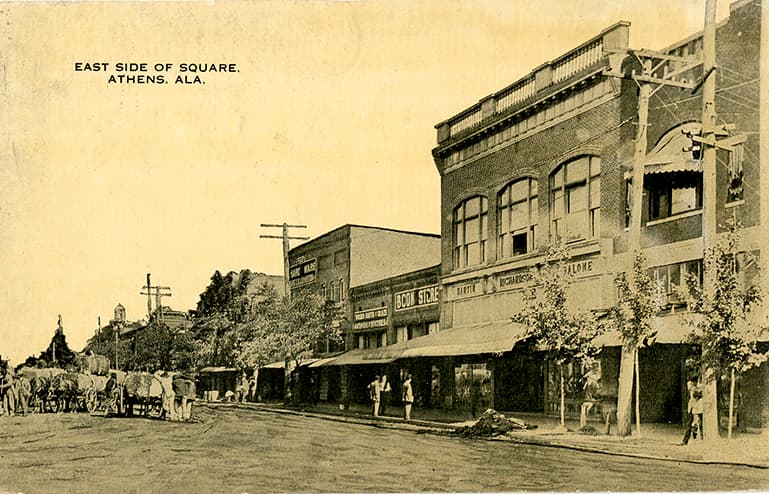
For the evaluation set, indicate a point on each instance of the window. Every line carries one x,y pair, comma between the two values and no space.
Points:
735,187
323,291
671,194
575,199
470,232
517,216
672,278
341,289
332,291
401,334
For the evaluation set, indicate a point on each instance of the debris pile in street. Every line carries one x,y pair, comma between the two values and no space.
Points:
492,423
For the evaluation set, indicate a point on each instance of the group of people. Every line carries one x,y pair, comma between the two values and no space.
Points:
379,392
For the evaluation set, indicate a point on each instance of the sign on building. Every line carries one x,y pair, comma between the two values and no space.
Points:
303,273
371,318
417,297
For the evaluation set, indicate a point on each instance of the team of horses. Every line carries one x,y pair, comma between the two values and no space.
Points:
161,394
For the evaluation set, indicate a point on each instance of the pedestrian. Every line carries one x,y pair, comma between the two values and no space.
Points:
408,397
698,408
384,394
590,396
690,387
475,397
375,393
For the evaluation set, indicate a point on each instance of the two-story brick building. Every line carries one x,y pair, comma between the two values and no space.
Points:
345,258
547,159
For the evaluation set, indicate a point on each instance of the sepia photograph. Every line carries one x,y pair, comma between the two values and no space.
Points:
363,246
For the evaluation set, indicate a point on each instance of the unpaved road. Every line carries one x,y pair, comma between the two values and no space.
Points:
237,450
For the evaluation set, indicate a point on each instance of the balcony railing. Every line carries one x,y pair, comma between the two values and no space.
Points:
586,56
577,61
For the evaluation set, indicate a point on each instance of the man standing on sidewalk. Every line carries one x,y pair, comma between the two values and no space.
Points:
408,397
375,393
384,393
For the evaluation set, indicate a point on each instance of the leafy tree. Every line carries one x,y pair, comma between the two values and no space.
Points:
639,300
287,329
222,308
725,317
566,332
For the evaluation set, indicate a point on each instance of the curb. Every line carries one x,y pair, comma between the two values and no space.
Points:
444,428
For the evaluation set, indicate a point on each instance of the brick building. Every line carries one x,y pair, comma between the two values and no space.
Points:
547,158
338,262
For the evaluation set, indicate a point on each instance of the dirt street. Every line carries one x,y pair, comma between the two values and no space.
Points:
236,450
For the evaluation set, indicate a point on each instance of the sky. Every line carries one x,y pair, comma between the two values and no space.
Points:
328,118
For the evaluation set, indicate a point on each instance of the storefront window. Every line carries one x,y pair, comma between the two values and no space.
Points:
472,387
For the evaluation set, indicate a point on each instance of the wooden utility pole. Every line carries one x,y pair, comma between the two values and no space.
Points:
649,81
159,292
285,237
763,125
709,201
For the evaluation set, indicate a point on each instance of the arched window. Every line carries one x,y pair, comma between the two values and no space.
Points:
517,216
575,199
332,291
470,231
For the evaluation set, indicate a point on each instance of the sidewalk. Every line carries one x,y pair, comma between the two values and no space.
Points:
656,441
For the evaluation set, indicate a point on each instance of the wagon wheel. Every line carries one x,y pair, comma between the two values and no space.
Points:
91,400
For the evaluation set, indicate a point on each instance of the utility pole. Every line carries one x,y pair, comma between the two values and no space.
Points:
709,225
285,237
649,81
763,125
160,292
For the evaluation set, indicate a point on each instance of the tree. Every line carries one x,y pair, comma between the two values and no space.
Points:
639,300
725,316
222,308
566,332
287,329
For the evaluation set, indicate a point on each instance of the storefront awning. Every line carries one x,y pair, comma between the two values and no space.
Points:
497,337
275,365
672,329
211,370
322,361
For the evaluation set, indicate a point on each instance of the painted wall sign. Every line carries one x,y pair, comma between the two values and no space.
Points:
581,269
417,297
515,279
464,290
303,273
370,318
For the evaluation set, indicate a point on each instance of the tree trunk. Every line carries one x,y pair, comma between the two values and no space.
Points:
731,404
710,407
625,390
563,399
637,396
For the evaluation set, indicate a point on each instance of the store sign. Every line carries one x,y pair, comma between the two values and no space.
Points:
303,273
515,279
371,318
582,269
417,297
465,290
